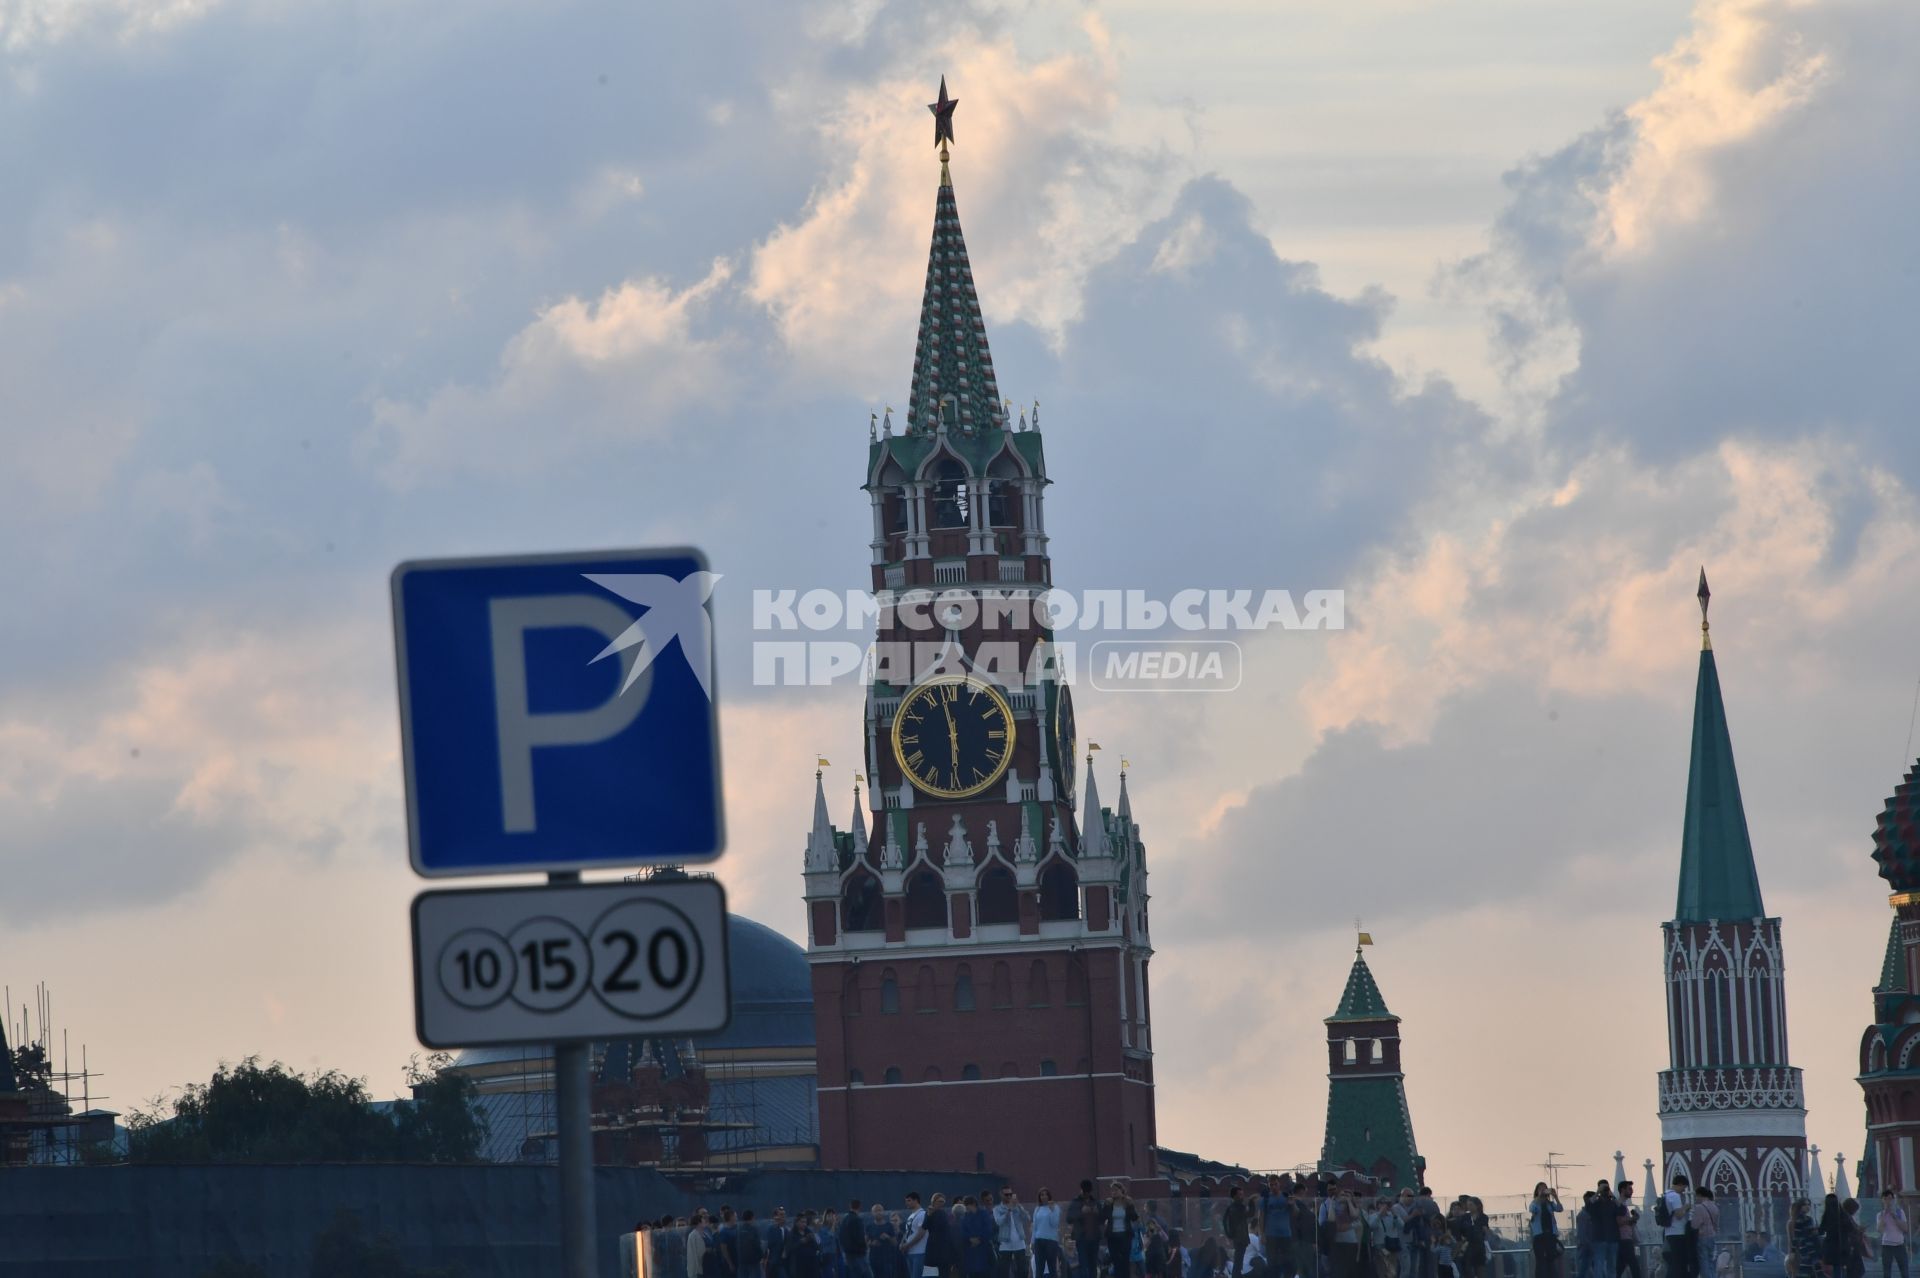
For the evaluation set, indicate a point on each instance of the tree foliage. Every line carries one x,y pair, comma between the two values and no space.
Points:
32,1068
255,1113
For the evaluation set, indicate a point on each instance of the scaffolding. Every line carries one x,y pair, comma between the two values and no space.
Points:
39,1121
695,1108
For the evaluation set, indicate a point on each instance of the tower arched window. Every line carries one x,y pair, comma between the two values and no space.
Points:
963,989
952,497
1003,503
931,1074
923,990
892,1075
1039,990
1002,985
1048,1069
855,1078
860,906
1076,982
926,899
1350,1050
970,1073
889,993
1059,892
1378,1053
999,898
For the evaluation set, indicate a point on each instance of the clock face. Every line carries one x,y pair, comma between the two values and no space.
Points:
1066,742
953,736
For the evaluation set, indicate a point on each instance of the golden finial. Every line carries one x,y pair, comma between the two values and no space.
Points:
1704,596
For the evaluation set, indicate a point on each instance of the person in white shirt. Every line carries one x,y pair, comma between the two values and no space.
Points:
1046,1236
913,1237
1893,1235
1680,1257
1256,1258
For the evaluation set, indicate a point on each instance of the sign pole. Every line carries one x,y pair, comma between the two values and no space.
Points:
579,1244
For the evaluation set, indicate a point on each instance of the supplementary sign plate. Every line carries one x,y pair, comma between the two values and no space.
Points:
552,964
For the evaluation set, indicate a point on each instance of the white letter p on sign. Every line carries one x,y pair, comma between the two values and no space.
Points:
521,731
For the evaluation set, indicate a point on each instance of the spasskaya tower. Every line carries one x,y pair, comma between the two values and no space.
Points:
980,958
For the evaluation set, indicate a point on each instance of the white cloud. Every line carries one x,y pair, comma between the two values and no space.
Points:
144,782
27,24
581,374
1724,258
1587,588
1743,66
1044,191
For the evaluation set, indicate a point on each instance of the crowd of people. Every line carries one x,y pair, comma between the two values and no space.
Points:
1276,1227
1837,1245
1606,1235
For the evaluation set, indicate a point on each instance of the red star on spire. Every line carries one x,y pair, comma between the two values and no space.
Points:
943,115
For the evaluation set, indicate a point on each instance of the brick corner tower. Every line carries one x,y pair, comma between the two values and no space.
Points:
1369,1127
980,960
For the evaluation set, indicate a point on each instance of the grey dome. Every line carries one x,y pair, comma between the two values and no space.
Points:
772,989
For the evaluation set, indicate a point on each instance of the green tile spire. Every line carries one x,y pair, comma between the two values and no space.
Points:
952,367
1893,968
1717,875
1361,1000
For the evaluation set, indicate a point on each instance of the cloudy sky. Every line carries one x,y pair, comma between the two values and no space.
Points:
1503,316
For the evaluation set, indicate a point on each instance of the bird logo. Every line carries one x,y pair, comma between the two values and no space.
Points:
676,609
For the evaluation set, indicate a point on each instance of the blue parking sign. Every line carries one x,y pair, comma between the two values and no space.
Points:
557,712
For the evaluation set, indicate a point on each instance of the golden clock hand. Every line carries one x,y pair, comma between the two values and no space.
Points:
953,740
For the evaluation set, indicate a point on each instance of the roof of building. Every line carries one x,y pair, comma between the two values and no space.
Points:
954,400
1893,968
1177,1164
1361,1000
951,360
1896,835
1717,875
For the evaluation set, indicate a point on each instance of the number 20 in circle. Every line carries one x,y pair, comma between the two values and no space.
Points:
646,959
